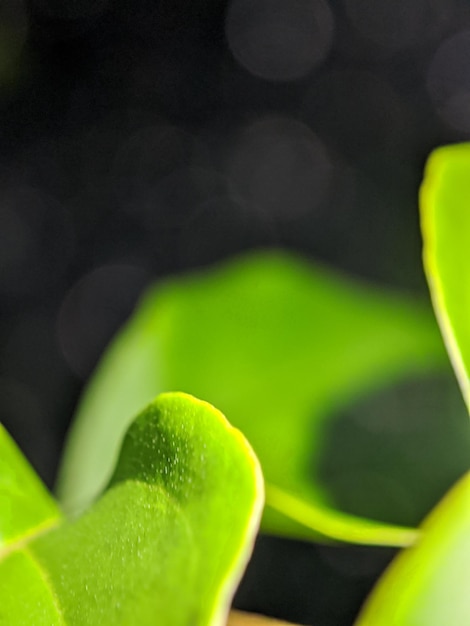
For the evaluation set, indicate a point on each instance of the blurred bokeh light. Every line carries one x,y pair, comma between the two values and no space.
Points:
277,40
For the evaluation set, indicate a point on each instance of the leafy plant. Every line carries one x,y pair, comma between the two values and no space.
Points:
428,583
166,543
162,510
279,346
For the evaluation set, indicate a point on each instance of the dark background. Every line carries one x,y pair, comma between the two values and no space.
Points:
142,138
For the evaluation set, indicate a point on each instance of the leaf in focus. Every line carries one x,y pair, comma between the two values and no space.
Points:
427,584
279,345
26,508
445,220
167,542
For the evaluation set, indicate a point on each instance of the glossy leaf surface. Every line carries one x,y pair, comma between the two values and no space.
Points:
165,544
279,345
427,584
26,508
445,218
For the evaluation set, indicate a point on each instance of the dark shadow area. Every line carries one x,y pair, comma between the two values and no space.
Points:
393,454
310,584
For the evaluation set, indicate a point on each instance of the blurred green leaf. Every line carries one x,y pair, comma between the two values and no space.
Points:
167,542
279,345
26,508
445,218
427,584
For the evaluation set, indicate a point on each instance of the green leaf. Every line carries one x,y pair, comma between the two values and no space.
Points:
166,543
445,219
427,584
279,345
26,508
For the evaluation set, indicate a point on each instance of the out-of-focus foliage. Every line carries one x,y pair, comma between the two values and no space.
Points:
279,345
445,214
166,543
25,506
428,583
